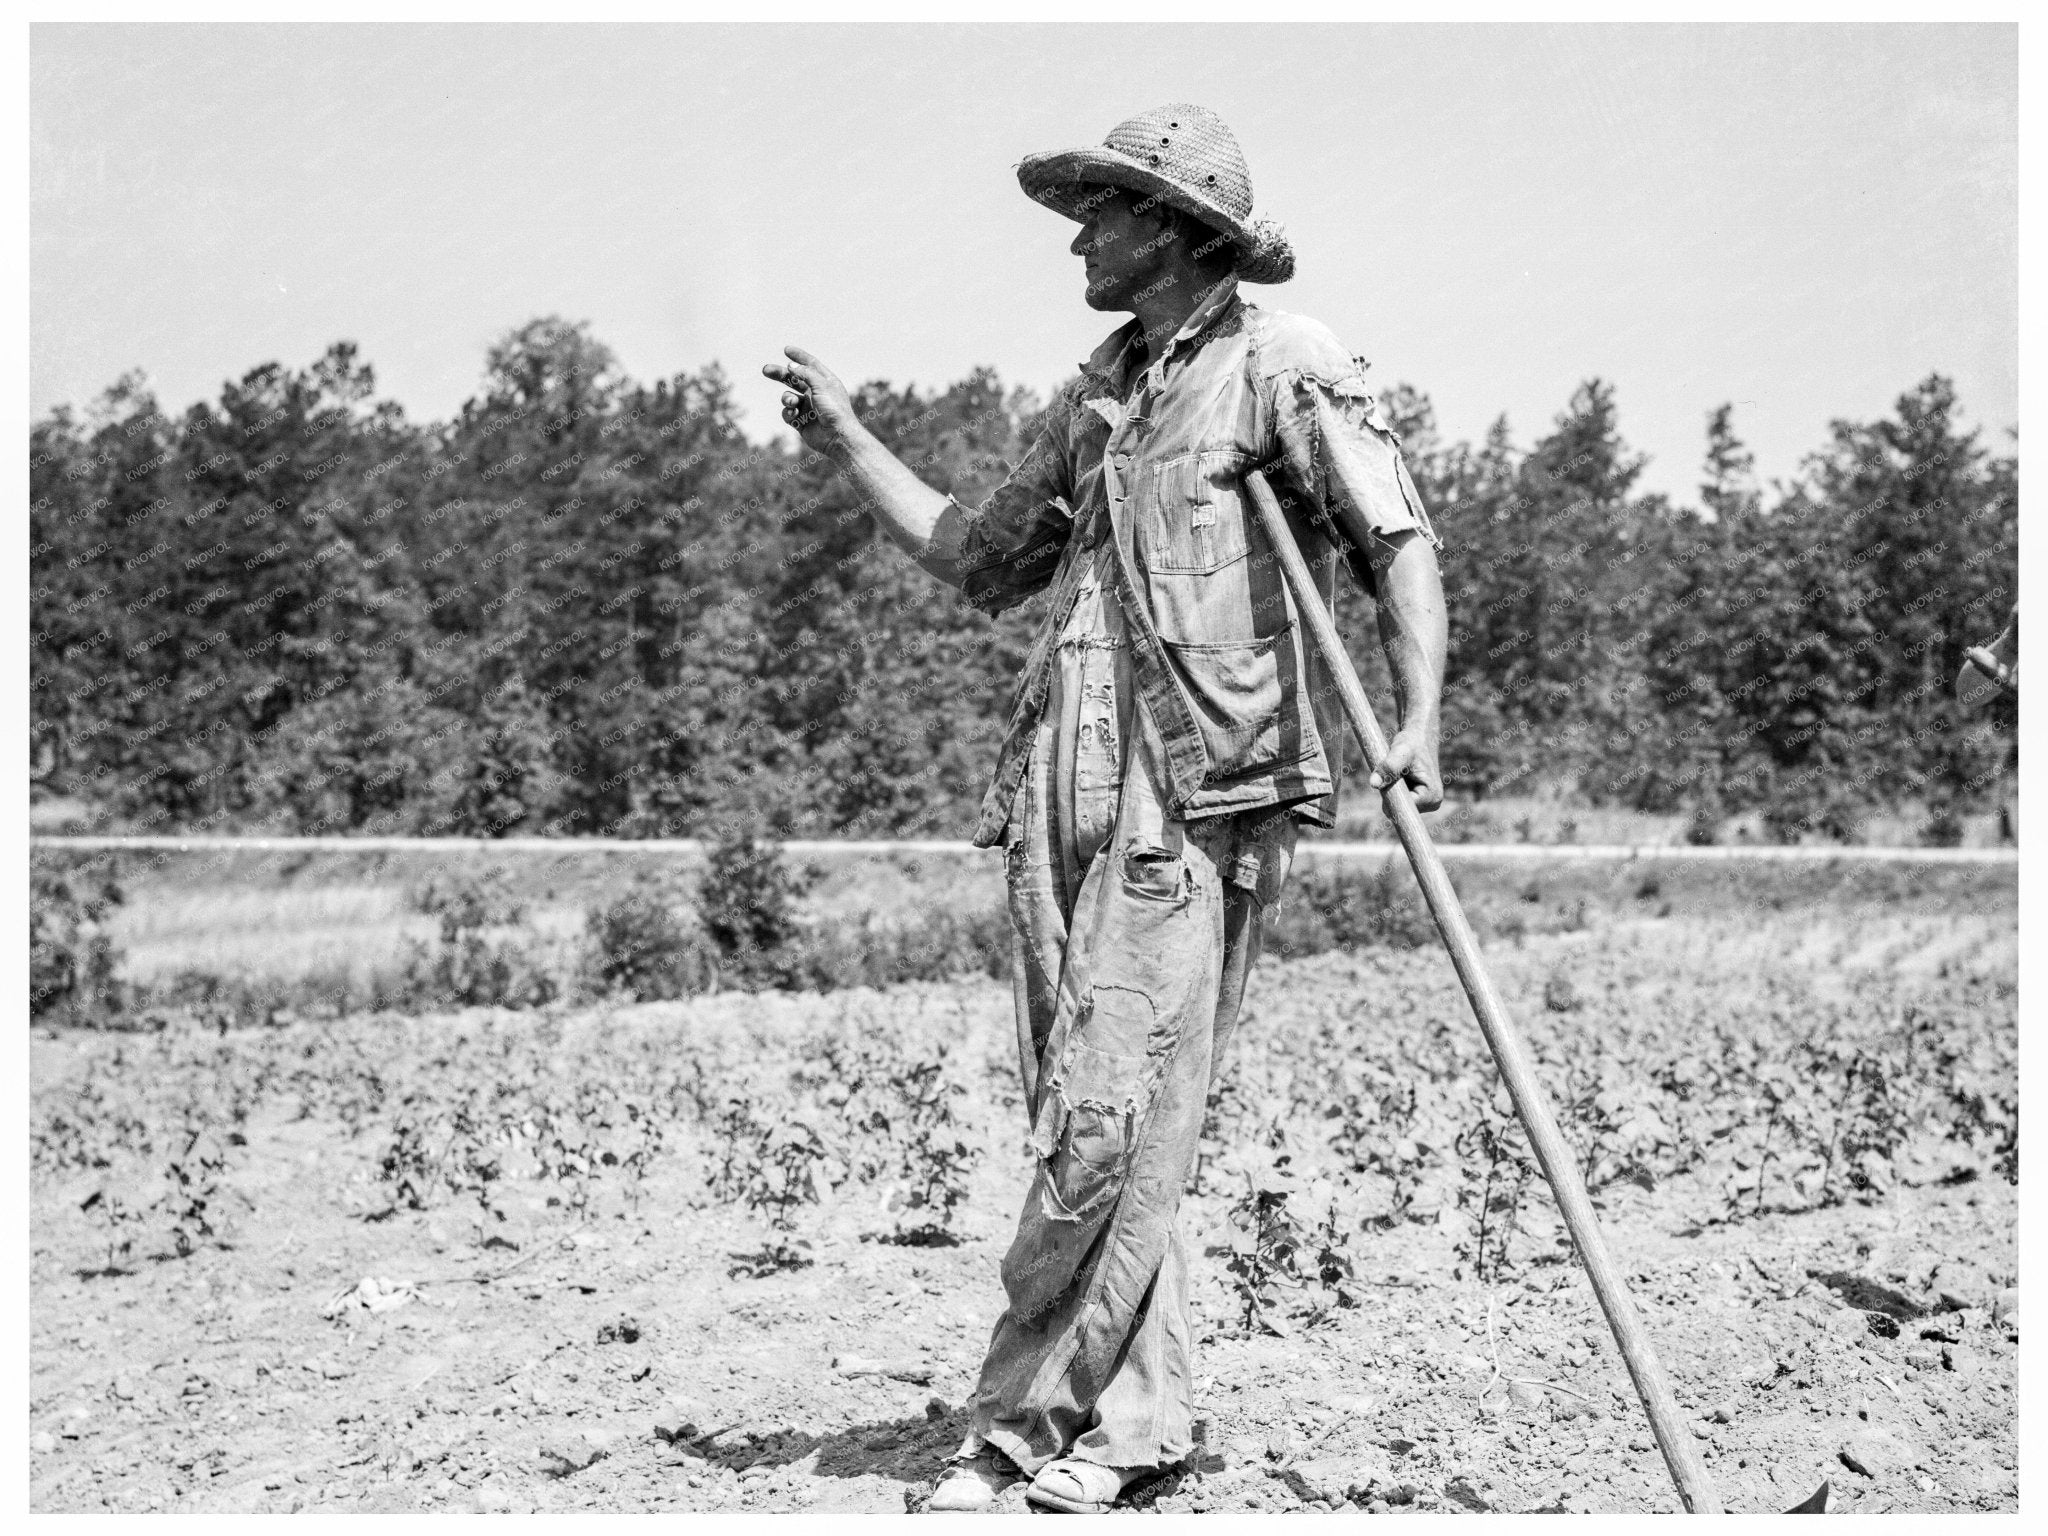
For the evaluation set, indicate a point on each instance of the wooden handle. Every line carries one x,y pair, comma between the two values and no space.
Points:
1553,1154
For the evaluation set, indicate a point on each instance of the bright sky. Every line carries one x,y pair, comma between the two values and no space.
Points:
1803,220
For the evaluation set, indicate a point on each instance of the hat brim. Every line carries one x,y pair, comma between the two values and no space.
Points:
1064,180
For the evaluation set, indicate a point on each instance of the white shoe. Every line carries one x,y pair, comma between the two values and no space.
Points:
973,1484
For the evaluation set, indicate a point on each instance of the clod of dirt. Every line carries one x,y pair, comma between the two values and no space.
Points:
1850,1323
1527,1396
1328,1480
1460,1491
680,1418
913,1371
1870,1453
1962,1359
566,1451
1724,1411
2005,1307
624,1330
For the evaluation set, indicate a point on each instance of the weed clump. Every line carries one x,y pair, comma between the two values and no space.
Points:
639,946
71,958
486,953
748,905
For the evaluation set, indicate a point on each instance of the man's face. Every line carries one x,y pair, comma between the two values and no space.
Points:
1124,250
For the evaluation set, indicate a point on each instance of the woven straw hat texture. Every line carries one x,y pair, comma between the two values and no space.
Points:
1185,156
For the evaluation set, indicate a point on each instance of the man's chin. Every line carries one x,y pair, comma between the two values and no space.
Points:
1105,295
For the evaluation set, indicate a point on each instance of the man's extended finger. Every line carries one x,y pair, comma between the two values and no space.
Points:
800,356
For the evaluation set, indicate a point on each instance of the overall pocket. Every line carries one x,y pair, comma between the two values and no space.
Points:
1153,873
1238,692
1195,522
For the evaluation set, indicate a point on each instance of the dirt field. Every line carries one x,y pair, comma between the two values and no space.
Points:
541,1261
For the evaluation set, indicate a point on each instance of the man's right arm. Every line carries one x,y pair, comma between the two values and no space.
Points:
998,556
928,525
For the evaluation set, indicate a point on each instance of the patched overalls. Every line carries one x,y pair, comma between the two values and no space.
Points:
1134,934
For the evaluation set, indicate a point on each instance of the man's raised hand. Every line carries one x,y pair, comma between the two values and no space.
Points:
813,400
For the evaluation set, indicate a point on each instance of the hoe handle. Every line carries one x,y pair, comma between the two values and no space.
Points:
1552,1152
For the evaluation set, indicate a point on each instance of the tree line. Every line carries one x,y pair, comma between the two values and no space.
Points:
591,606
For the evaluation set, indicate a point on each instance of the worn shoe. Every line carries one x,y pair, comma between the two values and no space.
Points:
973,1484
1080,1487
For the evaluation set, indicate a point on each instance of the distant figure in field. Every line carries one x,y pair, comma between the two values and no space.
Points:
1980,690
1171,731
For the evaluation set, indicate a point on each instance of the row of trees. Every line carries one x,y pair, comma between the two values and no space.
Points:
591,606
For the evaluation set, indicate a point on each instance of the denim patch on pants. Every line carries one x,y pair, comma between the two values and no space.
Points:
1128,987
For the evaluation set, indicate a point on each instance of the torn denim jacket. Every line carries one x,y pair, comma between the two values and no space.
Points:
1153,459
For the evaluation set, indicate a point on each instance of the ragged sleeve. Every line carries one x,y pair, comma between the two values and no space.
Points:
1014,539
1339,449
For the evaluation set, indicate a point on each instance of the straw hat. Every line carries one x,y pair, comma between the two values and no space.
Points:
1181,154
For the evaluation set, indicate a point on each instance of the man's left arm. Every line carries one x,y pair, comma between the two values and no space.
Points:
1342,453
1415,634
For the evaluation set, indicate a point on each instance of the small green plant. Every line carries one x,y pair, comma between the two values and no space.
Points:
193,1192
567,1144
119,1220
1330,1240
776,1166
1266,1249
474,1164
1223,1112
408,1163
933,1159
1496,1144
644,1141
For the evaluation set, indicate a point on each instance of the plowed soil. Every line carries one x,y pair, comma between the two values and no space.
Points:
621,1363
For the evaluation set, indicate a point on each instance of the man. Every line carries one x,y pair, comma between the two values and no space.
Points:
1977,687
1173,727
1996,690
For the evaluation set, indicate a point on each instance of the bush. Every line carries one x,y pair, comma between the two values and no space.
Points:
1943,827
1703,824
479,963
748,907
71,959
639,946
